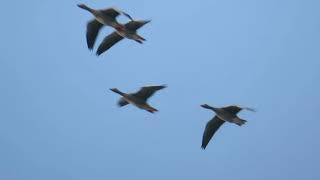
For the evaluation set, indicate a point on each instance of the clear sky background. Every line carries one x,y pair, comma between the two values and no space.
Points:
59,120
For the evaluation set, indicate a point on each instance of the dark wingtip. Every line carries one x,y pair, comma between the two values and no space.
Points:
127,15
153,111
164,86
90,45
251,109
98,53
203,147
139,41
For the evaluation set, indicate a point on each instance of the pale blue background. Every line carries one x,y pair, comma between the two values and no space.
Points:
59,120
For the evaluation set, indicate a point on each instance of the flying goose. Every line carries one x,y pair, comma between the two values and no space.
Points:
228,113
129,31
139,98
103,17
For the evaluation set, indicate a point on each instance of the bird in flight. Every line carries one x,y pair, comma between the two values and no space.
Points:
228,113
102,17
129,31
139,98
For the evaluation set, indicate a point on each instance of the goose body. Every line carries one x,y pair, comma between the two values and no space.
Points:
139,98
129,31
224,114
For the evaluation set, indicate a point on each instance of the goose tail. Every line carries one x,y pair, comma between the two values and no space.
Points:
239,121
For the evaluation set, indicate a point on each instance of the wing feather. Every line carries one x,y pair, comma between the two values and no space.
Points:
134,25
93,28
211,128
108,42
147,91
111,12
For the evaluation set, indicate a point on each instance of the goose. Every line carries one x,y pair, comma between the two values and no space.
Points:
228,113
129,31
103,17
139,98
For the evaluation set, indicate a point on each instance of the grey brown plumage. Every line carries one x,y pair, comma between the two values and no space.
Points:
93,28
108,42
103,17
129,31
228,113
211,128
147,91
139,98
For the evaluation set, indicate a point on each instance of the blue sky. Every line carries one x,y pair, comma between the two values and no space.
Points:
60,121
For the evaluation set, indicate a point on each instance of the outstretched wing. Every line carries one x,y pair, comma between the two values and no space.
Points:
134,25
127,15
235,109
232,109
114,13
212,126
111,12
147,91
93,28
249,109
108,42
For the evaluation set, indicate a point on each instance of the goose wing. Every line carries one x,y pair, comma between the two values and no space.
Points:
127,15
134,25
235,109
108,42
114,12
111,12
212,126
232,109
122,102
147,91
93,28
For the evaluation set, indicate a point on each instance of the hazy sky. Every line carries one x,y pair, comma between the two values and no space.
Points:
59,120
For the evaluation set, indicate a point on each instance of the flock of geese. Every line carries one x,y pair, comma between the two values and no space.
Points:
108,17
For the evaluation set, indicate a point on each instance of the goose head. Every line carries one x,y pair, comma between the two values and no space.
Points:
208,107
